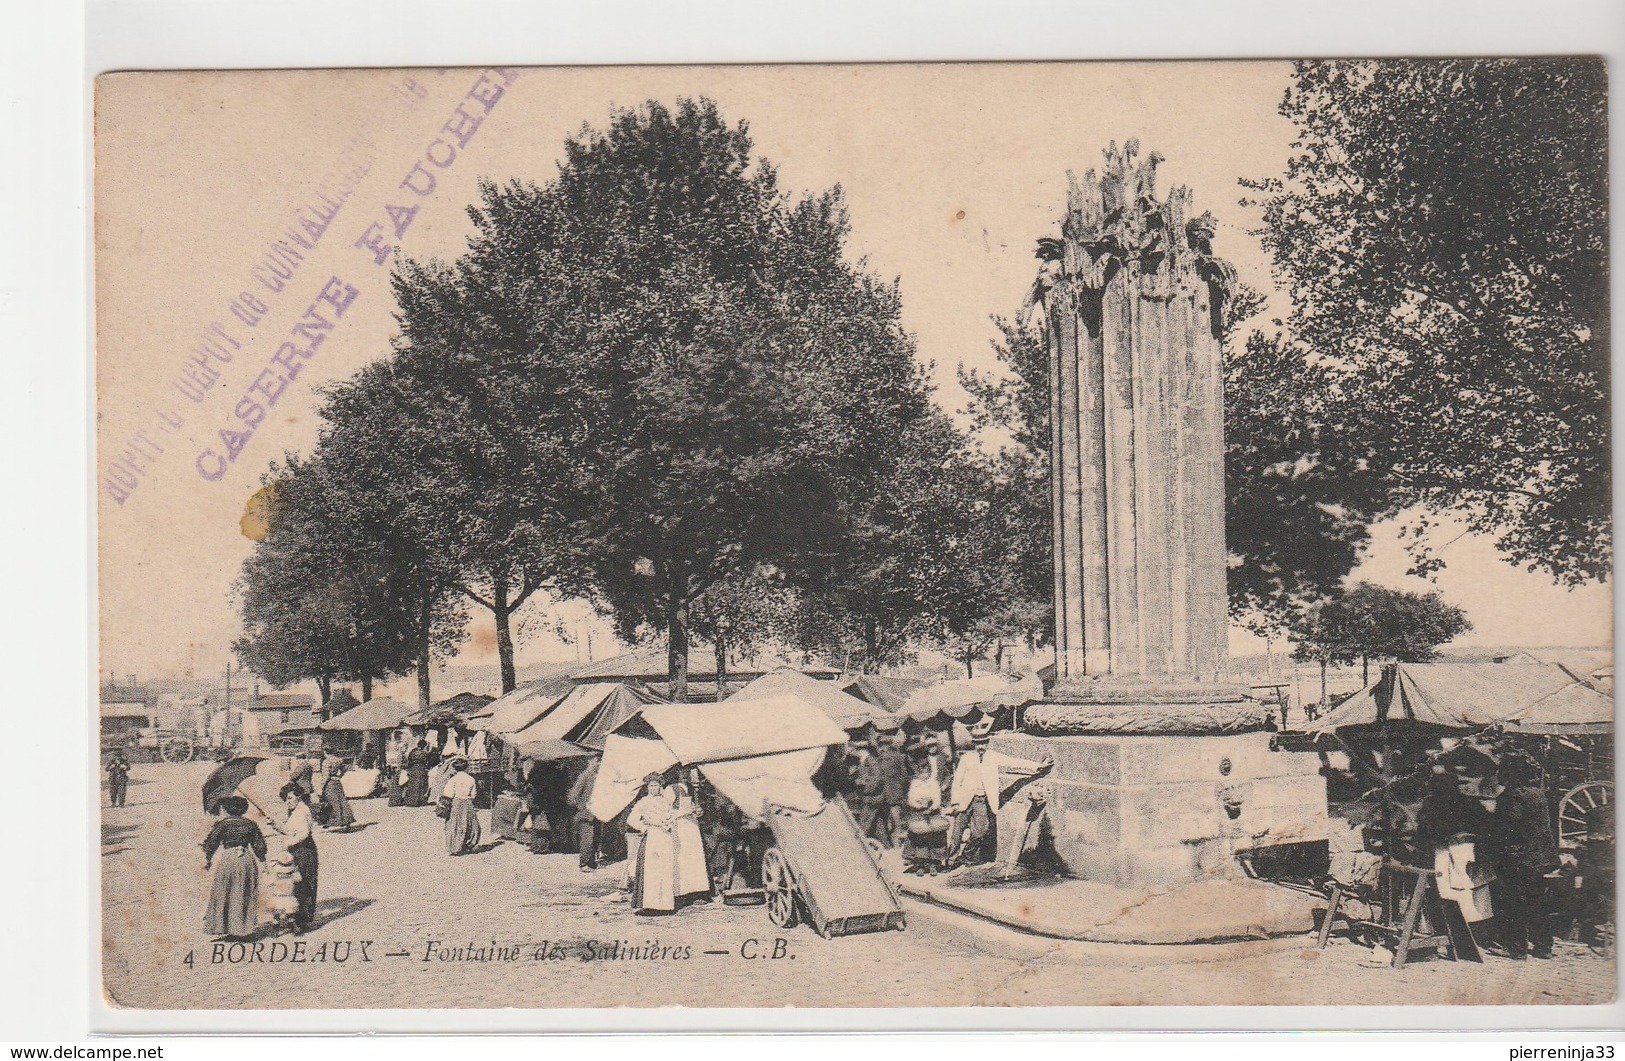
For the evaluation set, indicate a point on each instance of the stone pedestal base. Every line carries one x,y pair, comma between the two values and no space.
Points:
1137,811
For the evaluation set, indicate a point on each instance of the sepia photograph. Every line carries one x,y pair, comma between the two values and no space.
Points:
854,536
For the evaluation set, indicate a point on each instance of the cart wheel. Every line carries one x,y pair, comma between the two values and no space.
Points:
177,750
1575,808
780,887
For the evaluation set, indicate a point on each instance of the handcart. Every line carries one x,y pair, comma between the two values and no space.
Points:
819,866
798,853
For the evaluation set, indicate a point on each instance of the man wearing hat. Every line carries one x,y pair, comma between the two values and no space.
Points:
978,792
1523,849
892,765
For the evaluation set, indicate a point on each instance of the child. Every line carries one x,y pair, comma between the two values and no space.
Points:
280,903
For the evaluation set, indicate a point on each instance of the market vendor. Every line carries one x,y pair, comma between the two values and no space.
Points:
1523,848
978,792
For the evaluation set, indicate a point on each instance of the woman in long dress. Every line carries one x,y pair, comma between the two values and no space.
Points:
654,877
235,848
340,816
417,776
463,823
693,873
302,847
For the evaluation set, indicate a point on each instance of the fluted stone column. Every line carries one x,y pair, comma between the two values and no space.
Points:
1130,299
1162,772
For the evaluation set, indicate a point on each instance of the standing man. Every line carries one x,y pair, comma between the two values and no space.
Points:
1524,849
588,828
978,792
894,777
118,778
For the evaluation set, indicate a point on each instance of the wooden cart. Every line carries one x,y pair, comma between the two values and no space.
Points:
820,867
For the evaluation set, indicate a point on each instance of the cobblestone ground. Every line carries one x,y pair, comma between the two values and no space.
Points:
389,889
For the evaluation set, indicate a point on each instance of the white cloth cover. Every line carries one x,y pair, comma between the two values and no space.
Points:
1464,880
627,760
784,780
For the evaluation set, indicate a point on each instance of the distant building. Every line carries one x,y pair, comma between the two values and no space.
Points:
265,717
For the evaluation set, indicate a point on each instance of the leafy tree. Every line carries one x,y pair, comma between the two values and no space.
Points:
719,378
743,614
1441,230
314,597
340,702
498,481
1370,621
380,452
895,580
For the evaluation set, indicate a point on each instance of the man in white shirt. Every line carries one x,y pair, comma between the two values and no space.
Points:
977,794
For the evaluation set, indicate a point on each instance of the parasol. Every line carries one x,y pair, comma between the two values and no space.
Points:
957,699
225,779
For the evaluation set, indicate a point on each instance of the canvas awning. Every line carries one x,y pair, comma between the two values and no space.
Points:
381,712
454,710
842,708
957,699
551,750
1468,696
557,721
753,751
518,709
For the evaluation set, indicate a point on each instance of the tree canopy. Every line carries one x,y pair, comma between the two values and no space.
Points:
1441,234
1374,622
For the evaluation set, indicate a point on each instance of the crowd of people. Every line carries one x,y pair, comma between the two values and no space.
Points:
280,848
1507,852
940,807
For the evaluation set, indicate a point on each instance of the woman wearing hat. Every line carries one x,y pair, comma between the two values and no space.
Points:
926,828
235,847
463,823
340,817
654,863
297,831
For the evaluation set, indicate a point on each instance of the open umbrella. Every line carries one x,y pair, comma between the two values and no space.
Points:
225,779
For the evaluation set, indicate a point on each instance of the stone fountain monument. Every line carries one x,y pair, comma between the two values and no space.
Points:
1163,773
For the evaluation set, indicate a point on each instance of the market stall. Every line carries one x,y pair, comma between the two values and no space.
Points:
760,756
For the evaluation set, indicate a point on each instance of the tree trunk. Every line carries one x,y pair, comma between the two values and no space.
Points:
1323,681
425,620
720,644
1365,671
502,612
325,684
366,687
871,647
970,665
677,633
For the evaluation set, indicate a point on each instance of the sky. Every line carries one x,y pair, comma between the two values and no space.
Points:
951,174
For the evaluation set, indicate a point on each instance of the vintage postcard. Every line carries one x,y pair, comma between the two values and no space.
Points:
1013,535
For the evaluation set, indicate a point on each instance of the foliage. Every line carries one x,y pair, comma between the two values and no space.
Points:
1374,622
1441,231
315,597
733,381
502,484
